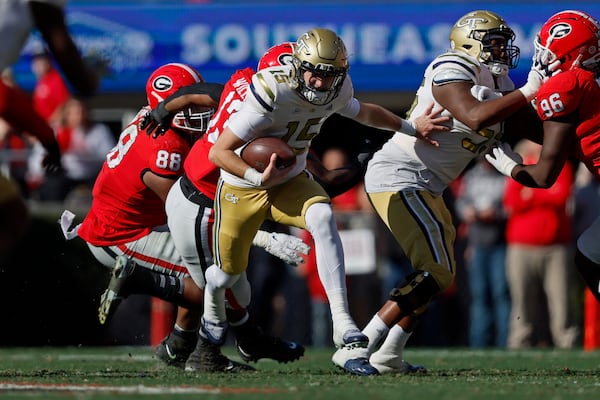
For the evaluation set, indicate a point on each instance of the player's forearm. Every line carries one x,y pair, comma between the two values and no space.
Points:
213,90
178,103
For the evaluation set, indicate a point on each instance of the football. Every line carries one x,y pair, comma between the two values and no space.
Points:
258,152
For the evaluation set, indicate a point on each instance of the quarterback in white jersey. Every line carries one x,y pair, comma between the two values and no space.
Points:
290,102
405,178
275,109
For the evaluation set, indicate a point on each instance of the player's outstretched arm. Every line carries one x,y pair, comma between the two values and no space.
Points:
157,121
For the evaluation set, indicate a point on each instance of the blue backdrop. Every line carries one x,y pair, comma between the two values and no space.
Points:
390,45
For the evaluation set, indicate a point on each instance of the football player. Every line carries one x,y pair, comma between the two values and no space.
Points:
127,219
290,102
568,104
189,208
405,179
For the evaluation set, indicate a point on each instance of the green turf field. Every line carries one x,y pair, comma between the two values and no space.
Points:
133,372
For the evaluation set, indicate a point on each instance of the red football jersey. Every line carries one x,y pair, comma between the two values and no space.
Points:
575,92
123,207
203,173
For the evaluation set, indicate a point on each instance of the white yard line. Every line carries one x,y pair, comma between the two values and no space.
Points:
137,389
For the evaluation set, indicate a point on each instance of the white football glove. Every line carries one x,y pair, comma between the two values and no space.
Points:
483,93
503,158
535,79
286,247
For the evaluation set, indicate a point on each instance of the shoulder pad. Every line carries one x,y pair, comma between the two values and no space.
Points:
451,67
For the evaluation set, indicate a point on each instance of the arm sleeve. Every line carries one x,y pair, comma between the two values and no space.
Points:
214,90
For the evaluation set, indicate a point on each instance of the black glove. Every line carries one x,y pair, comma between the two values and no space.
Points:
156,122
51,161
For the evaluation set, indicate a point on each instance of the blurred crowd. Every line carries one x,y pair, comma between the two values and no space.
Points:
83,142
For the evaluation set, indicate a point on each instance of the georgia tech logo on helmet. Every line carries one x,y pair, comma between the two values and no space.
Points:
162,83
471,23
301,45
560,30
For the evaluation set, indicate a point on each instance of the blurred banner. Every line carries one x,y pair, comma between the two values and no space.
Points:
390,44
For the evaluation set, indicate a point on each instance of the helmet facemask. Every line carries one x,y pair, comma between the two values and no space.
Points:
193,120
497,51
325,71
544,59
322,53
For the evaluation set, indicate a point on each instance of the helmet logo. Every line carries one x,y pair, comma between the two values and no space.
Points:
302,46
285,59
559,30
471,23
162,83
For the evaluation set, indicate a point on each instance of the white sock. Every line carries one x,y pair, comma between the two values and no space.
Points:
376,330
395,341
217,282
321,224
340,315
214,304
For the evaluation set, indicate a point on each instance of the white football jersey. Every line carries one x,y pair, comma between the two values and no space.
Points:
407,162
16,24
274,108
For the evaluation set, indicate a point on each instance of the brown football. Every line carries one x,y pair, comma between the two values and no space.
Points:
258,152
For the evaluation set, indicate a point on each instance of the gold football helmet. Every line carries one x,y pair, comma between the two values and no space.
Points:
322,52
487,37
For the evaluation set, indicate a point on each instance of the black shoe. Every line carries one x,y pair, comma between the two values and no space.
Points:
175,349
207,357
253,344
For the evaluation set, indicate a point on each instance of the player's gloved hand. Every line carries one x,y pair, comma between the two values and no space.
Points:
52,160
156,122
542,64
484,93
503,158
286,247
535,78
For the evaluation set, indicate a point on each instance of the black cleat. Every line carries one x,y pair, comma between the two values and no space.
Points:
175,349
253,344
207,357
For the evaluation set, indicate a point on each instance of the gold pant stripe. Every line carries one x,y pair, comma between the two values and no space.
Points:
422,225
432,228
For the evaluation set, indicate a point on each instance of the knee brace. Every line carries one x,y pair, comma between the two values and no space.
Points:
415,293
